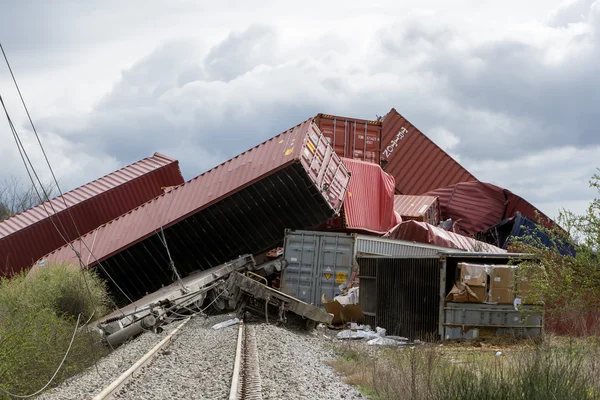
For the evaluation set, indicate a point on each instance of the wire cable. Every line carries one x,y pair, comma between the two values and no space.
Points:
67,208
55,373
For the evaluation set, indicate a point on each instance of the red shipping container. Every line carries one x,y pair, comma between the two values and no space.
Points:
418,208
242,206
477,206
358,139
417,164
31,234
369,203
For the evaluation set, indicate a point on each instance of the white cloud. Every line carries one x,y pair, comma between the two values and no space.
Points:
513,97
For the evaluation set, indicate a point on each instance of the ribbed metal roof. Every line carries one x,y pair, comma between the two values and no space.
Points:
414,160
29,235
87,191
293,180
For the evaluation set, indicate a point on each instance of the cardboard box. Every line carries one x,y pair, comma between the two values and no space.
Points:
473,274
462,293
502,276
501,295
480,292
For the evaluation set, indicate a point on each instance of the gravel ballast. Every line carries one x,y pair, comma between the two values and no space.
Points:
197,365
88,383
292,366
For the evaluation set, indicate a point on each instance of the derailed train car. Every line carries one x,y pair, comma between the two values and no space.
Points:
294,180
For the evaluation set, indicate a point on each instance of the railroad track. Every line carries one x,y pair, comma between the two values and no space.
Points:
246,383
244,371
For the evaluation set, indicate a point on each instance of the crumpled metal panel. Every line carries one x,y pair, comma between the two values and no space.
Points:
477,206
369,203
29,235
424,233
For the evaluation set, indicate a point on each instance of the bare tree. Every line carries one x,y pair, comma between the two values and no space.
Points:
16,197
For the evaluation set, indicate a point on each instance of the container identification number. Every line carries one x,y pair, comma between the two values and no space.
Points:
394,143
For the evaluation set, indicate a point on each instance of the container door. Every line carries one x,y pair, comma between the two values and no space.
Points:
365,137
301,252
334,266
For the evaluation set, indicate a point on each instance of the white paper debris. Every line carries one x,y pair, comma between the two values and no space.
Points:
382,341
348,334
227,323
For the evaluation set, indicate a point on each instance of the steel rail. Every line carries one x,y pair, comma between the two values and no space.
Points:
118,383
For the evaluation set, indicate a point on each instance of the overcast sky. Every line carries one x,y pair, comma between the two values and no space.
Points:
511,90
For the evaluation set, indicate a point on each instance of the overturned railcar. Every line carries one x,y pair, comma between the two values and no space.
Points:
294,180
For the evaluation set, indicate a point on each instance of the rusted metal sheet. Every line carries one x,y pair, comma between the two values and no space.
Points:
416,162
256,294
352,138
422,232
244,205
369,202
418,208
29,235
477,206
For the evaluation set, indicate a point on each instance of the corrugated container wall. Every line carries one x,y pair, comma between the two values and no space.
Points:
242,206
477,206
369,202
416,162
418,208
352,138
319,262
31,234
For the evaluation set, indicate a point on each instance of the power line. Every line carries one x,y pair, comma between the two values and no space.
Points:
67,208
55,373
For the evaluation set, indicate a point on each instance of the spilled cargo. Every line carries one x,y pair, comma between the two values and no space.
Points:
294,180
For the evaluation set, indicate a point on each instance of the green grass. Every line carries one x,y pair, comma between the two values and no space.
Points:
547,371
38,315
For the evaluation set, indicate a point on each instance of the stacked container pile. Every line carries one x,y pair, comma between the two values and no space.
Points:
381,178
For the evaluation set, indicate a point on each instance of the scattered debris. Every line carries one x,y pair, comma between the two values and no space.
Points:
225,324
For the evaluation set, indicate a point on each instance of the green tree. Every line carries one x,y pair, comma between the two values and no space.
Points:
570,285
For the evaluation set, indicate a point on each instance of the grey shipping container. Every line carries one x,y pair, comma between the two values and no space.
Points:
321,262
318,263
407,296
466,320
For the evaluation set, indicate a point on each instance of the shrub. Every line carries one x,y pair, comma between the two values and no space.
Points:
557,371
38,315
